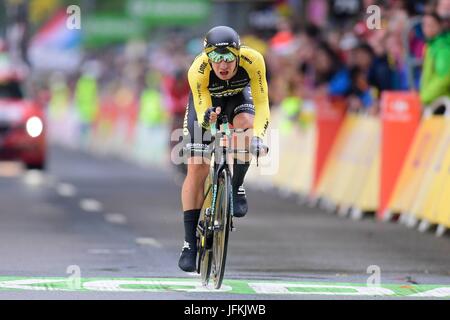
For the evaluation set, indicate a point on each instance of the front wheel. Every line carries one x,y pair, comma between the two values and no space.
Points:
222,220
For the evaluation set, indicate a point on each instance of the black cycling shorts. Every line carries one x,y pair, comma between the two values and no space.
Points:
195,137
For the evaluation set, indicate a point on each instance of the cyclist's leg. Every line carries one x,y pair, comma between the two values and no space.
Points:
192,199
242,117
192,190
196,141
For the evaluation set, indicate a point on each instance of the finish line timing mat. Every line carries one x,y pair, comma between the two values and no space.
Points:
251,287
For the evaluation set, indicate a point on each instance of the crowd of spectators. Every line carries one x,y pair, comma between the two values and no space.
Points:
357,61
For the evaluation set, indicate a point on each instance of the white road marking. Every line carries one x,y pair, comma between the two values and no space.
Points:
153,286
66,190
28,284
148,242
319,289
435,293
91,205
116,218
34,178
99,251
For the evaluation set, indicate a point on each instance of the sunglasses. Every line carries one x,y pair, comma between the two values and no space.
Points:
218,57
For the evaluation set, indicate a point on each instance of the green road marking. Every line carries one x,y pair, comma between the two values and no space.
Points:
320,290
254,287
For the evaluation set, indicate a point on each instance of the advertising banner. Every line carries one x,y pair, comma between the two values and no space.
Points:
169,12
400,115
419,160
330,115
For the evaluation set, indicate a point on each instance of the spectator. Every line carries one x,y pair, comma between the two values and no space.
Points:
443,10
436,70
362,65
361,95
331,75
388,69
383,70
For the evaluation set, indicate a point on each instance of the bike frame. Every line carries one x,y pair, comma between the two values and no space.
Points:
220,161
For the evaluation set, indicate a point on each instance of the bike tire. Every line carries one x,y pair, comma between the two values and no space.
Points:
204,260
205,267
223,217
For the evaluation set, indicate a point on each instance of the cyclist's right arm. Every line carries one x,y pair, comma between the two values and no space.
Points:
198,76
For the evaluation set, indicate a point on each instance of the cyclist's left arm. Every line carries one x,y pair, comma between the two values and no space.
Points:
198,77
258,85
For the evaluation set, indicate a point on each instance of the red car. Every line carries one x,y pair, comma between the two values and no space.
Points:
22,126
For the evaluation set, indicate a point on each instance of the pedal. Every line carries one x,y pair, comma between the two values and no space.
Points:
208,212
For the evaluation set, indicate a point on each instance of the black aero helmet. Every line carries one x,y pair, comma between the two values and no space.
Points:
222,40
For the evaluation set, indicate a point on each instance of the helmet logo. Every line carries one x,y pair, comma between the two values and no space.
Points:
221,44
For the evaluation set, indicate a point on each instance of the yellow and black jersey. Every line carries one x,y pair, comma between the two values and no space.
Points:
251,72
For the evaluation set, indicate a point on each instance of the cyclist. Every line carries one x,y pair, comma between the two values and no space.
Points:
232,78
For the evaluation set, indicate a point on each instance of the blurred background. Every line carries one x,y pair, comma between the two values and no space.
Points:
123,70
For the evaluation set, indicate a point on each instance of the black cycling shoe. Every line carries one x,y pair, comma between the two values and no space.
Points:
240,205
188,258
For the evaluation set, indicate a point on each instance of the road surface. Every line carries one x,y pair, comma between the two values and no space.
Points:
99,228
